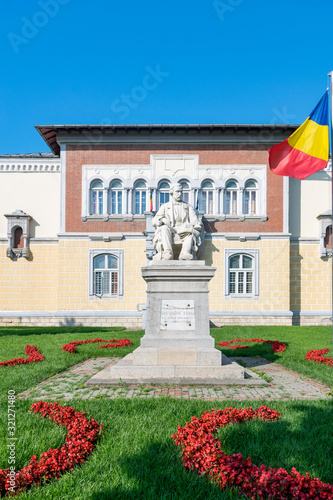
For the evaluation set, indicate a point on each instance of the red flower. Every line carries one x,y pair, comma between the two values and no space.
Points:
112,344
276,345
202,452
31,351
318,356
81,436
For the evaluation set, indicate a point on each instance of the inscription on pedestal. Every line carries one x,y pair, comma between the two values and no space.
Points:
177,315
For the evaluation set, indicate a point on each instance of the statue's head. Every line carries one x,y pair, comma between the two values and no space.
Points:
176,191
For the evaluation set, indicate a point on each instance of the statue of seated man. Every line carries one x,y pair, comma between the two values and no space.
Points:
179,231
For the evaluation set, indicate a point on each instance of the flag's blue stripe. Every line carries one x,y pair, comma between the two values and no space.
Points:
320,113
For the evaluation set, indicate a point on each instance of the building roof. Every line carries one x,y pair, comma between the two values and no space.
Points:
30,155
51,133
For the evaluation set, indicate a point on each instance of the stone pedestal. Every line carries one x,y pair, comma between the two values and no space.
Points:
177,317
177,346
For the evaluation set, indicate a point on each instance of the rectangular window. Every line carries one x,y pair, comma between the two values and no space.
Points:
203,201
97,202
210,202
137,202
143,201
240,282
164,198
231,202
116,202
250,202
120,199
249,277
232,287
185,197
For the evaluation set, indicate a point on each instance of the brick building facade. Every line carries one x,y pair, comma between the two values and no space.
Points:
75,225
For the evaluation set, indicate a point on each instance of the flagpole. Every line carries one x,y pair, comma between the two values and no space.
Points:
331,95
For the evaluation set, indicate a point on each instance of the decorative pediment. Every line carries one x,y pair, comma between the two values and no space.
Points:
18,234
325,233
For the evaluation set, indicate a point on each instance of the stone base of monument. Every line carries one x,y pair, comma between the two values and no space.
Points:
177,347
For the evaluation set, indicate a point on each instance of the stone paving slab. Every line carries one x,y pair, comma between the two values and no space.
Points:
284,385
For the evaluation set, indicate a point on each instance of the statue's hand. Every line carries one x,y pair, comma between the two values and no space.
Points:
164,221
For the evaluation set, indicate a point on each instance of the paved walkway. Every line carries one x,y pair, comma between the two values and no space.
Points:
283,384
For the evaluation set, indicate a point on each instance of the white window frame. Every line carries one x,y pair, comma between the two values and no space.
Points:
140,190
230,252
119,254
117,191
232,192
186,191
205,193
99,191
163,191
251,191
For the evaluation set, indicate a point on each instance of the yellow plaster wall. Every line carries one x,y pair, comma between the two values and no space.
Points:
310,279
74,276
273,275
30,285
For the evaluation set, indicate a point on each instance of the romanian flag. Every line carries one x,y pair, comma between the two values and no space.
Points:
151,201
307,150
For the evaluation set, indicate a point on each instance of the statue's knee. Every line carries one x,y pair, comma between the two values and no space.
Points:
165,229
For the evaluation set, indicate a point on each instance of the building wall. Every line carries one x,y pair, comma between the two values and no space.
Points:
140,155
30,285
309,198
52,287
37,193
310,281
74,276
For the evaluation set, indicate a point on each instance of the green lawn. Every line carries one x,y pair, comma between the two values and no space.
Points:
299,341
136,457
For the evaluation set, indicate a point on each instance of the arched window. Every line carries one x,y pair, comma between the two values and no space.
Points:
140,197
250,198
231,198
163,192
116,193
18,240
96,197
241,272
207,190
186,191
328,237
106,274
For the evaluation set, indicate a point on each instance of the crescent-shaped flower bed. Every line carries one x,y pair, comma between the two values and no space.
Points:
31,351
202,452
318,356
80,441
276,345
111,344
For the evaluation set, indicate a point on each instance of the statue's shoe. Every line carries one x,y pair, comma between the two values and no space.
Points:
186,256
167,256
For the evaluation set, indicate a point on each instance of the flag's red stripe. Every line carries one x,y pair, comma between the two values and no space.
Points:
286,160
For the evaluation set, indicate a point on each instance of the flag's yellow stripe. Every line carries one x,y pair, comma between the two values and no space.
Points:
312,139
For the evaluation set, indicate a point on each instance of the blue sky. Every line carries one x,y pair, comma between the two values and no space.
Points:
181,61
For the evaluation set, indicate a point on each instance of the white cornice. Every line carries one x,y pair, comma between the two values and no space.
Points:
30,165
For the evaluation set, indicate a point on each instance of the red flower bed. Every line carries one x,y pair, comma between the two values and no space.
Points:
112,344
31,351
318,356
81,436
202,452
276,345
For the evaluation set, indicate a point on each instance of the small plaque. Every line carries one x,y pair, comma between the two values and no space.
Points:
177,315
